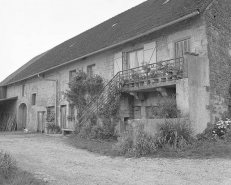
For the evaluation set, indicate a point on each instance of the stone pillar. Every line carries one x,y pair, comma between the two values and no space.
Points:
192,92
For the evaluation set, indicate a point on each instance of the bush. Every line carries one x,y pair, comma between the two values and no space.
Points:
166,108
7,166
174,136
124,144
11,174
219,130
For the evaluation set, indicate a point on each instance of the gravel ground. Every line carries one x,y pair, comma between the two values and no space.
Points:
50,159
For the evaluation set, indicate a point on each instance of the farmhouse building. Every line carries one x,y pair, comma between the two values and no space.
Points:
178,48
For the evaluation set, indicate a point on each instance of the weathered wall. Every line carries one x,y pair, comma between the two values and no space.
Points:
45,90
218,30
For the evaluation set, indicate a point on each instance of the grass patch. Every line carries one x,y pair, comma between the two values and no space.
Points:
95,146
198,150
10,174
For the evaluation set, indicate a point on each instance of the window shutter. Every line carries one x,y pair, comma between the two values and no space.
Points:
117,62
150,52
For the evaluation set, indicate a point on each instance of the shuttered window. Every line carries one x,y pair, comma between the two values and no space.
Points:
135,59
181,47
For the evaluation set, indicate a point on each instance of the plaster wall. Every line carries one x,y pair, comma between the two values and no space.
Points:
45,90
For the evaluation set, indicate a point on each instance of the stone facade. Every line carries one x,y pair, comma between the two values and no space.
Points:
204,92
218,31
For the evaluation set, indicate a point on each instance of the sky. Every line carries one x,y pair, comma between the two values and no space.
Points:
31,27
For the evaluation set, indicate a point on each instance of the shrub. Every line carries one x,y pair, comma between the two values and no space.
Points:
166,108
144,145
219,130
7,166
173,135
176,134
124,144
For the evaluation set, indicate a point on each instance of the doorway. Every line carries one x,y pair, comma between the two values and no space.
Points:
41,122
22,117
63,116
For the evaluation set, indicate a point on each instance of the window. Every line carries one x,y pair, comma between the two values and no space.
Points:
23,90
181,47
91,71
33,99
135,59
72,74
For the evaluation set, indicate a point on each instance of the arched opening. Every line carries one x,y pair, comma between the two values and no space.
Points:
22,116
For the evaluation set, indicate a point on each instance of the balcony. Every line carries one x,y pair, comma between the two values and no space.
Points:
148,76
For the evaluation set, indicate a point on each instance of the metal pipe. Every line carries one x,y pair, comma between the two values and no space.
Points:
56,85
118,44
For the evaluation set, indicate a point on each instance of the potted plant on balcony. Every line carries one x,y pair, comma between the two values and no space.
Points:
146,67
153,75
124,81
135,78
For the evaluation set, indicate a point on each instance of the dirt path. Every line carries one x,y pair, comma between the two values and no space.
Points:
50,159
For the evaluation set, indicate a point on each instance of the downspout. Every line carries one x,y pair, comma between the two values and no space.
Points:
56,92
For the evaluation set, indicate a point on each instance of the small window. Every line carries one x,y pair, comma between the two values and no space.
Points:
33,99
72,74
23,90
91,71
181,47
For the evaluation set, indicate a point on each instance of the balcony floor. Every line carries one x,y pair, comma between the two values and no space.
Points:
149,87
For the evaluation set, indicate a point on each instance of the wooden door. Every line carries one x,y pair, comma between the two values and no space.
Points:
41,122
63,116
24,117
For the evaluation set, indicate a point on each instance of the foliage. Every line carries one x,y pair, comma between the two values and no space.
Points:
54,128
51,126
166,108
221,127
174,136
51,118
11,174
219,130
7,166
83,89
94,130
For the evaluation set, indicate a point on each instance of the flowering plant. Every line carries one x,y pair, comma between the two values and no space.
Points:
221,127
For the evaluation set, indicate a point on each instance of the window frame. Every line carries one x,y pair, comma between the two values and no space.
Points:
180,40
23,90
71,74
127,64
33,99
92,71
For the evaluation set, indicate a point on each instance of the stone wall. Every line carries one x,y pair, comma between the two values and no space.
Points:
218,30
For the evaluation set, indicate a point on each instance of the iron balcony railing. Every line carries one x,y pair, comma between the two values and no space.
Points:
153,73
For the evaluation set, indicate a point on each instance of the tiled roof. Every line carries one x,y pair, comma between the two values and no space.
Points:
15,73
135,21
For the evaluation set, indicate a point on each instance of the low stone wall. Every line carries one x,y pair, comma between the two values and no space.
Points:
150,126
